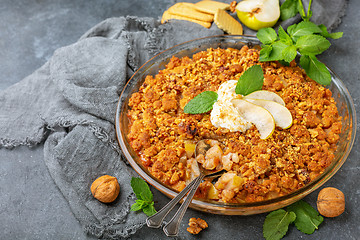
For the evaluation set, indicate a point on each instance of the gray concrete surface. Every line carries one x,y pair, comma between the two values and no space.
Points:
31,206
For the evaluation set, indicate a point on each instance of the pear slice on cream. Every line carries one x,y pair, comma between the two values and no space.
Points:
281,114
265,95
259,116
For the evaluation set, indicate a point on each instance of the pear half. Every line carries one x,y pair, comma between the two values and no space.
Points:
259,116
265,95
257,14
281,114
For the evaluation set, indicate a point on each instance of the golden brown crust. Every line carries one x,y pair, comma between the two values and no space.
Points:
274,167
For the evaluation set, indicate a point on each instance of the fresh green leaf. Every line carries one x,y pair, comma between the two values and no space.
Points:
289,9
289,53
291,29
312,44
265,53
277,223
304,28
266,35
284,63
202,103
141,189
138,205
149,210
284,37
307,218
251,80
325,33
315,69
144,197
277,51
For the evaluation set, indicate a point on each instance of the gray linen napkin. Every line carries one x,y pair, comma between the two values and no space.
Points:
69,103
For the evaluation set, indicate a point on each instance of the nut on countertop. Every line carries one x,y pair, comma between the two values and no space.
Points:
331,202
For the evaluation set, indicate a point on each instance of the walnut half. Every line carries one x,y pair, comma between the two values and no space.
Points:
196,225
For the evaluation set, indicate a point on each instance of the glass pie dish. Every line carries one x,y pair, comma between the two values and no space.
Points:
341,95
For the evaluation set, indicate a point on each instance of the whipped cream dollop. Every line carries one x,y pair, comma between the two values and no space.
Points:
224,114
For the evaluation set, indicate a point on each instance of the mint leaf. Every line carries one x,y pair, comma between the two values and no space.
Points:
291,29
307,218
289,53
144,197
202,103
277,51
265,53
251,80
325,33
149,210
138,205
315,69
266,35
284,36
288,9
304,28
277,223
312,44
141,189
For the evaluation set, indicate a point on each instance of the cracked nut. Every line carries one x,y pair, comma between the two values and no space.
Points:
331,202
105,188
196,225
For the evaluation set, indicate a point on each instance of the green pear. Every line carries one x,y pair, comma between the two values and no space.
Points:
257,14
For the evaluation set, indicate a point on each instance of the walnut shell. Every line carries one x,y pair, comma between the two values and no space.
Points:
331,202
105,188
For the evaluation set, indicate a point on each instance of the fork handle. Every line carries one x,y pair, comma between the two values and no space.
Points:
171,229
156,220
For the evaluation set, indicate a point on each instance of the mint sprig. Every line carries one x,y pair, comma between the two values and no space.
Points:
306,37
307,218
144,197
302,214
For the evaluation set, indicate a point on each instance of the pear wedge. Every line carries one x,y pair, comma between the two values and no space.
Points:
265,95
257,14
257,115
281,114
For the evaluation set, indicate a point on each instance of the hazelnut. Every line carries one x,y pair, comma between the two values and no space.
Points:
331,202
105,188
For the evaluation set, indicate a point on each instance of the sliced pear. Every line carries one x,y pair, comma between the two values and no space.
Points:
265,95
257,14
257,115
281,114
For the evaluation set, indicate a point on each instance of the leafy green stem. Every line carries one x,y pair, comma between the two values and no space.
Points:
309,8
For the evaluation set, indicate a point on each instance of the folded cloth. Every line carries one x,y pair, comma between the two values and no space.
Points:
69,103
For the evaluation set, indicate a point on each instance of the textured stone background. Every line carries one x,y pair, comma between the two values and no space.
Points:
31,207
